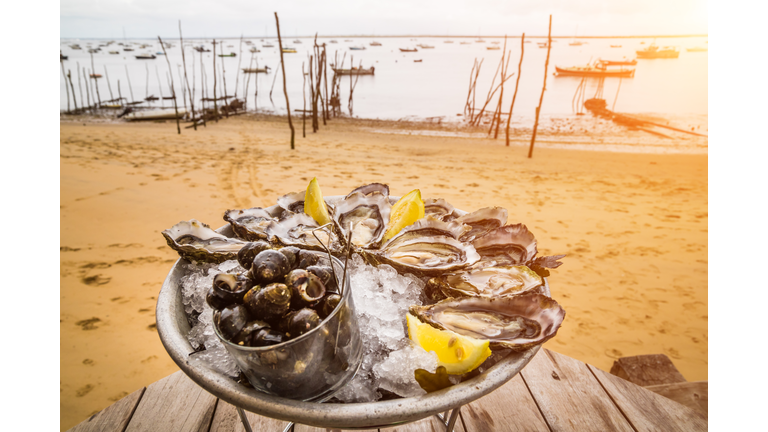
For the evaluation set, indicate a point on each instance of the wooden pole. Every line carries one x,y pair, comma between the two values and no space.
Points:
224,80
613,107
183,88
256,86
146,86
186,80
239,63
157,73
285,87
65,84
325,75
109,86
129,83
543,89
517,83
501,93
203,92
87,93
312,97
274,80
215,102
304,111
248,81
80,86
72,87
173,91
93,68
119,93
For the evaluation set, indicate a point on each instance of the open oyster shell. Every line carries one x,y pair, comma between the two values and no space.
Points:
482,222
249,224
497,281
295,229
370,189
366,215
507,245
427,248
438,208
516,322
293,202
196,241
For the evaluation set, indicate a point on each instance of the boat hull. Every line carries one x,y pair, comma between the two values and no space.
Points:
626,73
657,54
353,72
164,114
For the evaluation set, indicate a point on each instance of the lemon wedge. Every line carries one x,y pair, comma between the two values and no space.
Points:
314,204
406,211
458,354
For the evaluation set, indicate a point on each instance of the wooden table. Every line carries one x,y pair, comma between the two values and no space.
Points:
553,393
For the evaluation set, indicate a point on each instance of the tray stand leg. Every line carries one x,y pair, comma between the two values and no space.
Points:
449,420
247,425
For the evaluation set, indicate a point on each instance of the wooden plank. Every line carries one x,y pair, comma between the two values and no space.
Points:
429,424
691,394
645,370
509,408
175,403
648,411
112,418
569,396
226,419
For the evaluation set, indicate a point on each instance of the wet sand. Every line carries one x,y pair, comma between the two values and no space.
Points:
633,226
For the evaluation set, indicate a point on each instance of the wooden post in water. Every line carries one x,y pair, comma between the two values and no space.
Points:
87,93
186,80
203,92
501,93
326,116
514,96
109,86
215,102
65,83
80,86
312,106
146,86
119,93
304,111
239,63
93,68
157,73
74,99
183,87
248,81
543,89
224,81
285,86
274,80
129,83
173,91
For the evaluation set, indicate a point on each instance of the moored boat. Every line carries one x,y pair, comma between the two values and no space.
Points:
95,75
268,46
265,69
615,46
145,57
422,46
492,48
576,43
354,48
594,71
374,43
288,50
156,114
407,49
697,49
354,71
114,52
228,55
334,41
618,62
653,52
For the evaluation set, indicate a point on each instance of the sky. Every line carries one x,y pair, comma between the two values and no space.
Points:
232,18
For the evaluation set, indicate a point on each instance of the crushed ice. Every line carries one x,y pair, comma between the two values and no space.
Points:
381,297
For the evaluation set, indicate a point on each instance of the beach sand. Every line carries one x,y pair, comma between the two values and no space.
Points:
633,226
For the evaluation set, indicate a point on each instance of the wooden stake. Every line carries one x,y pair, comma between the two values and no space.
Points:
514,96
119,93
109,86
157,73
543,89
215,103
325,74
93,68
183,88
87,93
65,84
304,111
80,86
203,92
248,81
285,87
129,83
224,81
497,116
173,91
239,63
71,86
186,80
146,87
275,80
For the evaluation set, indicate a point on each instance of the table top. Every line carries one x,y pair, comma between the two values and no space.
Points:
553,393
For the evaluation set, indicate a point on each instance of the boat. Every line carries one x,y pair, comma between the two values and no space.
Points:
75,47
62,56
354,48
374,43
145,57
114,52
334,41
447,41
465,43
159,53
248,42
254,50
598,70
127,49
93,51
492,48
201,49
417,61
425,46
267,46
297,41
575,43
228,55
479,41
288,50
617,62
615,46
354,71
265,69
696,49
156,114
407,49
347,40
654,51
151,98
95,75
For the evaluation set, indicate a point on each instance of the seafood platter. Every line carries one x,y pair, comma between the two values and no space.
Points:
286,294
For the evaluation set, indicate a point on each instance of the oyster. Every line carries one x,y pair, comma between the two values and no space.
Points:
426,248
516,322
296,230
249,224
498,281
366,215
482,222
507,245
195,240
371,189
293,202
438,208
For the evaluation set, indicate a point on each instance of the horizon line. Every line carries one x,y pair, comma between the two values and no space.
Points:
411,36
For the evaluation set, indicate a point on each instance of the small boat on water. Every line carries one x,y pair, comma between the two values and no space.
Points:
354,71
254,50
75,47
575,43
697,49
127,49
265,69
653,52
465,43
417,61
495,42
159,53
156,114
449,41
347,40
492,48
618,62
151,98
374,43
425,46
268,46
407,49
145,57
334,41
114,52
354,48
95,76
228,55
201,49
479,41
297,41
288,50
615,46
598,71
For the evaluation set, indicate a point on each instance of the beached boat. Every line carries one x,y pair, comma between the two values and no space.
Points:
354,48
492,48
265,69
618,62
696,49
407,49
145,57
354,71
156,114
594,71
228,55
653,52
287,50
374,43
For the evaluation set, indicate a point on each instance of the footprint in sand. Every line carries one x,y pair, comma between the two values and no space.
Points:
89,324
149,359
96,280
614,353
84,390
68,249
152,327
88,362
118,396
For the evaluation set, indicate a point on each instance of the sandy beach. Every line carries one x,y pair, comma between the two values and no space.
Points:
634,228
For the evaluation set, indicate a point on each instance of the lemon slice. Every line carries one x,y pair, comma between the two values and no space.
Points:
458,354
314,204
406,211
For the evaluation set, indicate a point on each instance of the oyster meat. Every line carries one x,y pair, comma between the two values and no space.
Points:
496,281
196,241
249,224
517,322
482,222
507,245
366,215
295,229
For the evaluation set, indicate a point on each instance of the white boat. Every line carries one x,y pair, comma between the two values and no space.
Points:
156,114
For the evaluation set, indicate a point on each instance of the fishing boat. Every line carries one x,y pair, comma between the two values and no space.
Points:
93,51
417,61
407,49
228,55
653,52
615,46
265,69
145,57
75,47
354,71
425,46
696,49
354,48
95,75
288,50
127,49
156,114
114,52
374,43
201,49
596,70
618,62
492,48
